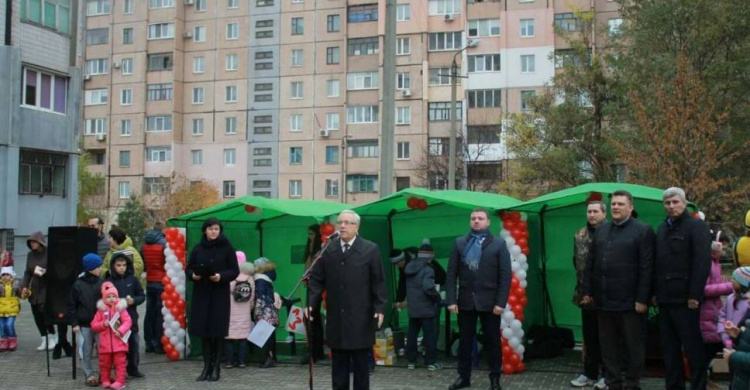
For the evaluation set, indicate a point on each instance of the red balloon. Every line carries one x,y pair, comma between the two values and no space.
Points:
507,350
522,241
326,229
168,303
524,301
181,305
504,341
507,369
165,280
514,283
164,341
509,225
169,288
422,204
522,225
519,292
514,359
164,296
516,233
512,300
521,367
517,308
250,209
174,355
412,202
525,250
519,316
515,216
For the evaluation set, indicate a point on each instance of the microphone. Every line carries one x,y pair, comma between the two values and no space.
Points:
334,235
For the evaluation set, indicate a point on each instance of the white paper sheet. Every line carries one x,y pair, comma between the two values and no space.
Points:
261,332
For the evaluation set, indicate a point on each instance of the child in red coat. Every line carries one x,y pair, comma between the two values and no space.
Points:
112,322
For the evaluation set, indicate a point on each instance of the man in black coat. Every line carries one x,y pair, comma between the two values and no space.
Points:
617,281
351,273
683,262
481,263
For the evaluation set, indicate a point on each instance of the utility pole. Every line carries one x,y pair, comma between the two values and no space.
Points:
388,118
454,97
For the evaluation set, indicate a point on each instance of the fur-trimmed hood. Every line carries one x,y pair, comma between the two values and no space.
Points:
121,305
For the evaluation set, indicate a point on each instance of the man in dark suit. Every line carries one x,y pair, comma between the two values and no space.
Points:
351,272
482,264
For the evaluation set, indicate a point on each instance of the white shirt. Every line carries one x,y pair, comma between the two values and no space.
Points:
349,242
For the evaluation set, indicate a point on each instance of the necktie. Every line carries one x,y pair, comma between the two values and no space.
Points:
346,247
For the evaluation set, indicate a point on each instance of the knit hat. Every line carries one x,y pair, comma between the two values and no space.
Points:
426,251
109,288
247,268
7,270
396,255
241,258
411,252
742,276
91,262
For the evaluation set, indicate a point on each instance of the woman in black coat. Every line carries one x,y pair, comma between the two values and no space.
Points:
211,267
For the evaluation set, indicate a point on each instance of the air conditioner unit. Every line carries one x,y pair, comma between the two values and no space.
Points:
86,77
187,35
449,17
101,137
325,132
189,2
406,92
116,65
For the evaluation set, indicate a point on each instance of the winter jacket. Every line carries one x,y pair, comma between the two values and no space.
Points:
739,362
711,306
102,245
10,304
729,313
126,245
581,256
240,322
108,341
210,301
265,308
127,285
682,260
619,273
37,284
82,302
420,289
152,252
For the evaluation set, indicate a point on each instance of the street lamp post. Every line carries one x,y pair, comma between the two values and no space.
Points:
452,140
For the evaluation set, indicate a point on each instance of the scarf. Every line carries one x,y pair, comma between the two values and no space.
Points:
473,251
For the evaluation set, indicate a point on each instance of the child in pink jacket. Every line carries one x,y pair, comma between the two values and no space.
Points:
711,307
240,307
113,345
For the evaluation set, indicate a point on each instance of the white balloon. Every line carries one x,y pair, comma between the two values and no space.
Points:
523,283
521,275
164,311
504,233
515,250
525,266
171,259
174,340
180,347
168,332
514,266
514,342
515,325
168,252
519,333
175,326
181,333
522,258
508,315
510,241
181,289
521,349
169,319
170,273
507,333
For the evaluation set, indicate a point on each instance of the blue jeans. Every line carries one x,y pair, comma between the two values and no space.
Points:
7,327
86,338
152,324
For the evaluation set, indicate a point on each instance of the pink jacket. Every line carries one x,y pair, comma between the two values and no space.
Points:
108,341
715,288
240,323
729,313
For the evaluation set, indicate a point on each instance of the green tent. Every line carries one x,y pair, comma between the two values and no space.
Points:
560,214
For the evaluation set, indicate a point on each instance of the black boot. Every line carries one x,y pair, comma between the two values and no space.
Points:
268,363
206,346
68,348
460,383
215,360
57,351
494,382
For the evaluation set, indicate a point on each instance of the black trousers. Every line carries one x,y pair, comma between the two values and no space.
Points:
38,312
614,328
467,328
315,330
350,360
593,366
134,354
680,331
430,340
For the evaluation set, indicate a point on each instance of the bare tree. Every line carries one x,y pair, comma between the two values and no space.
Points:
480,173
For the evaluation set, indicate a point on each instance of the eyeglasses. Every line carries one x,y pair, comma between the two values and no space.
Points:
345,223
92,226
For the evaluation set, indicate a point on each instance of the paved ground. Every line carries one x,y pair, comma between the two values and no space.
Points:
26,369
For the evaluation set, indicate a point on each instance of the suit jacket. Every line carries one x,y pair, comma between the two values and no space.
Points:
489,286
355,291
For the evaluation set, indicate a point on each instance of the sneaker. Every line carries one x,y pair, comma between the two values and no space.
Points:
582,381
412,366
435,367
136,375
600,384
43,345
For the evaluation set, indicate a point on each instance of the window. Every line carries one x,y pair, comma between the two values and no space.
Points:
42,173
266,194
261,183
527,63
97,36
230,94
262,130
200,5
362,149
230,125
333,23
128,6
228,189
298,57
262,152
197,127
438,146
161,61
263,87
161,31
127,36
53,14
295,188
444,7
159,92
614,26
567,22
160,3
363,46
332,88
97,66
199,34
403,13
298,90
403,115
402,151
230,156
403,81
363,13
527,28
264,97
159,154
231,62
96,96
44,91
441,111
484,63
95,126
159,123
402,46
155,185
361,183
402,182
126,128
362,114
264,23
94,7
332,188
333,55
445,41
264,3
198,95
295,122
487,134
332,121
196,157
484,28
124,159
298,26
441,76
123,189
362,80
567,58
199,64
295,155
264,34
126,97
332,154
484,98
127,66
233,3
233,30
263,119
526,99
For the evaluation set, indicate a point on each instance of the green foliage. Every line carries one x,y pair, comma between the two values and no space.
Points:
90,186
133,220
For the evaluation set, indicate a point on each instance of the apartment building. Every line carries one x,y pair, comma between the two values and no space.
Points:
40,77
282,98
